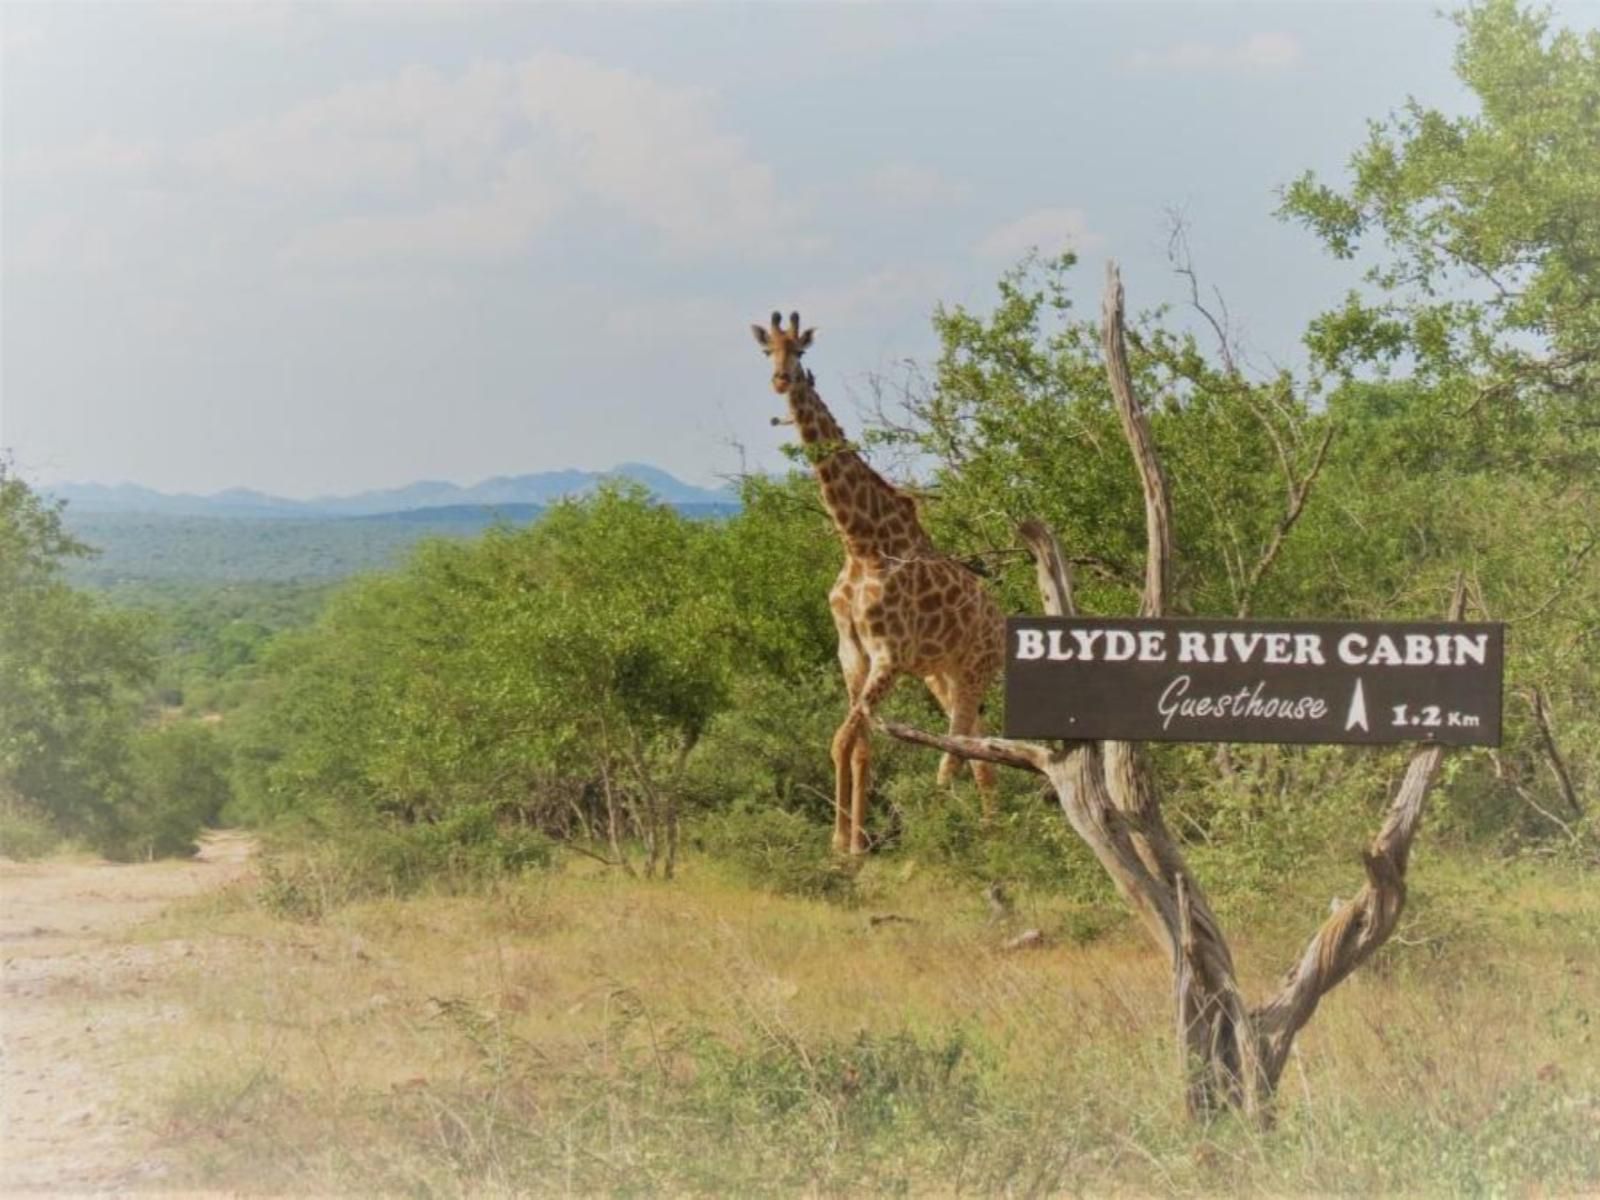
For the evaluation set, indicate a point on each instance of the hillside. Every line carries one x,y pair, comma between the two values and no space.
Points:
161,547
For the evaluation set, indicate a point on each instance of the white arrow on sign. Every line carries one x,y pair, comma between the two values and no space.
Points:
1358,708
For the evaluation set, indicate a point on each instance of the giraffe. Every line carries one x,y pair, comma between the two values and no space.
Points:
900,606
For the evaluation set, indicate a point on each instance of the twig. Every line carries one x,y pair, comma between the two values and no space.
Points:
1299,491
1558,768
877,919
587,853
1526,796
1561,587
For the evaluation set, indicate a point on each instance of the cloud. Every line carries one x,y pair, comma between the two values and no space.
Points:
100,155
871,299
18,38
494,226
656,154
253,18
62,244
1048,230
250,18
864,301
1259,52
467,165
903,186
373,136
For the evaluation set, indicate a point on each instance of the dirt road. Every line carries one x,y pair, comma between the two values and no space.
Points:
69,995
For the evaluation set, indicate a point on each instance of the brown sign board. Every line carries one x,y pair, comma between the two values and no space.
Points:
1195,680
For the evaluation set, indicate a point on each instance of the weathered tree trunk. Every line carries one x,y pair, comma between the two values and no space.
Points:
1231,1055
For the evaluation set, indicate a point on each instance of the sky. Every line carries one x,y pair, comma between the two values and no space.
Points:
317,249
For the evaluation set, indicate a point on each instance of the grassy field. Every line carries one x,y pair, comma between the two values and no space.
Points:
583,1032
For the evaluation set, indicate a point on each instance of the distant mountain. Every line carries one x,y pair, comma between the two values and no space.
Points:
136,548
131,498
502,492
475,517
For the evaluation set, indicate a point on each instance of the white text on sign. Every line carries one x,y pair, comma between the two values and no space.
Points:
1232,646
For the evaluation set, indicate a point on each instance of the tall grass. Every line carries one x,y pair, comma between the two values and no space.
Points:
581,1032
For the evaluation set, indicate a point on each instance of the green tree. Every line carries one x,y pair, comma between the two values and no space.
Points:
179,785
554,675
1448,421
1483,305
1020,422
69,668
1486,232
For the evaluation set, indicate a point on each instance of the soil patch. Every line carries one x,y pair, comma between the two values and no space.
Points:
72,988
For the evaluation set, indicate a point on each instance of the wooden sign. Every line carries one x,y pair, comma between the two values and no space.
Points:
1176,680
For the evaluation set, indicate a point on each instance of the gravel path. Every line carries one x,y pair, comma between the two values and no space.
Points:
70,992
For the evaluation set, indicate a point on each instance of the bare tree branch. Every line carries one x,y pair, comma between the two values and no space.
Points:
1136,427
1299,492
1504,776
1567,577
1024,755
1547,742
587,853
1183,263
1052,568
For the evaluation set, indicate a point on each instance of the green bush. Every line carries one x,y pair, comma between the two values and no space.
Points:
877,1085
777,851
1027,842
473,847
772,747
25,832
178,785
473,844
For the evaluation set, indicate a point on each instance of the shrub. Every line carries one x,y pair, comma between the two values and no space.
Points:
1027,842
474,847
777,851
25,832
178,785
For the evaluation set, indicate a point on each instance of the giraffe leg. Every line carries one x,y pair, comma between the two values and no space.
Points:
965,721
860,789
853,663
880,680
844,743
943,692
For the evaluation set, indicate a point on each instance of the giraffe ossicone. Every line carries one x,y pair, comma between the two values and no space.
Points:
899,605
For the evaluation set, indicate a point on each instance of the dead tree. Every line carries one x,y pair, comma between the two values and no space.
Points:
1232,1054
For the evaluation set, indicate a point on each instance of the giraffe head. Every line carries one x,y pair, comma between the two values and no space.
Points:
784,347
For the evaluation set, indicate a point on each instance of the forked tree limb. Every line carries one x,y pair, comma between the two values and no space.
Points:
1352,934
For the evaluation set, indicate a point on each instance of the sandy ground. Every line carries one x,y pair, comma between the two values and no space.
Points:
70,992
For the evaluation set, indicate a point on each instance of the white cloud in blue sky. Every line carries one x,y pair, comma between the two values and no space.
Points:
317,248
1047,230
1267,50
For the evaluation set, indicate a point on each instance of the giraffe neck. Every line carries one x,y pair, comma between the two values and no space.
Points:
873,519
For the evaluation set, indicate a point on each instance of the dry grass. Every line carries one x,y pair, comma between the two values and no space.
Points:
580,1032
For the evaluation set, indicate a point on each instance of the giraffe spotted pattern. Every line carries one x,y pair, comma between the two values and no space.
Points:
900,606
